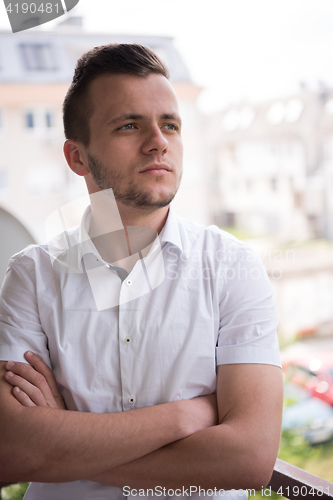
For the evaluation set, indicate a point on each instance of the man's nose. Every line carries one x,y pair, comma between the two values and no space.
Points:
155,142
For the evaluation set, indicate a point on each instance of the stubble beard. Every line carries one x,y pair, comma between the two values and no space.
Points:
132,196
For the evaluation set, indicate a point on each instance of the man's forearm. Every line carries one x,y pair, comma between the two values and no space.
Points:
239,453
46,445
41,444
220,457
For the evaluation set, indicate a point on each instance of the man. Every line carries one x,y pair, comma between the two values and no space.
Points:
131,368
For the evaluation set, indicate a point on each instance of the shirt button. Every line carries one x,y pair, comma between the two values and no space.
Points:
129,282
131,400
128,340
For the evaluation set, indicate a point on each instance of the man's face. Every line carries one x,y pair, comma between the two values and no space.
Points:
135,142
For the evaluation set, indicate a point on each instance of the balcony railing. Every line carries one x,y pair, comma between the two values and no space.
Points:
289,482
292,482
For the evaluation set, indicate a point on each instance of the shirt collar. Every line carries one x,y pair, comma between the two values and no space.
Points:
169,234
86,246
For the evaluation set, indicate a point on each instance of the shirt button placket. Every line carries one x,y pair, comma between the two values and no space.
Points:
131,399
126,352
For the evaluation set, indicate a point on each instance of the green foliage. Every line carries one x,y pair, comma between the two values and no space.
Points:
295,450
14,492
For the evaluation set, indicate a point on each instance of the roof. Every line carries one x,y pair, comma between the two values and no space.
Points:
44,57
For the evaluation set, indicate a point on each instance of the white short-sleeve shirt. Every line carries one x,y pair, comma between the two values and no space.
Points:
213,306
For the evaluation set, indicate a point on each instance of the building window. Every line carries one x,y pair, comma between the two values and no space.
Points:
48,119
39,119
29,120
37,57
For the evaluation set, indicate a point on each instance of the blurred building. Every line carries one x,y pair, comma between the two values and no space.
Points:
36,69
272,166
272,174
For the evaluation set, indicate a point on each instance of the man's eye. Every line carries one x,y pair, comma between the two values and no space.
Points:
128,126
170,126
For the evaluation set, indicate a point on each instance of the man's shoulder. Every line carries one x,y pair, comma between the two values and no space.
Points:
46,253
30,253
191,227
211,236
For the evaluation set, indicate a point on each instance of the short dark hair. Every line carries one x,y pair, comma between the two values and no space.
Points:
116,58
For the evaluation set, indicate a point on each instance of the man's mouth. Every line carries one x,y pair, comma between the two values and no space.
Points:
156,169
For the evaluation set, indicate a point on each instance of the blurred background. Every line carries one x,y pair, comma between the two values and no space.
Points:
255,83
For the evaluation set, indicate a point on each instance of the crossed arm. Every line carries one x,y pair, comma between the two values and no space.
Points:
172,445
238,453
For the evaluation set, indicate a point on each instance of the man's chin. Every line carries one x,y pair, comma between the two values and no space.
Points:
152,204
146,201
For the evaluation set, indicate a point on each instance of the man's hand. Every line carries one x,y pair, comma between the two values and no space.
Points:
34,384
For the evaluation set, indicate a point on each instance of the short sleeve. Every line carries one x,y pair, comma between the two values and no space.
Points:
20,327
248,316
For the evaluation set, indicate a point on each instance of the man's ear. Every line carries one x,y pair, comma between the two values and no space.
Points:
76,157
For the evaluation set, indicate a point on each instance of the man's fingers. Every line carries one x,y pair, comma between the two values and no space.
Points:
31,382
41,377
42,368
28,373
22,397
31,391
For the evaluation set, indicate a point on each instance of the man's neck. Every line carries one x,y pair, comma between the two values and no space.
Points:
154,219
119,232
